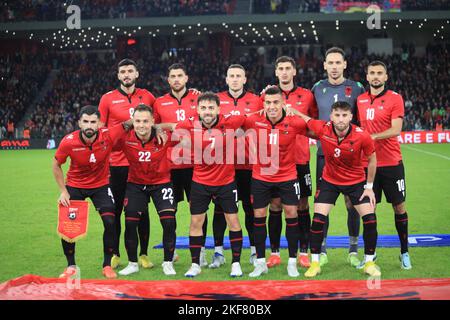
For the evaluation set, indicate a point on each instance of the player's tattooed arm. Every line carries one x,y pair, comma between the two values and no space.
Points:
64,198
165,126
127,125
292,111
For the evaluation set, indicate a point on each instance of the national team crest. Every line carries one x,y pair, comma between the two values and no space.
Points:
348,92
73,220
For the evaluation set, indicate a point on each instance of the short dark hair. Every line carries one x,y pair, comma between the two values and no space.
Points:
89,110
376,63
209,96
341,105
272,91
143,108
126,62
285,59
335,50
176,66
236,66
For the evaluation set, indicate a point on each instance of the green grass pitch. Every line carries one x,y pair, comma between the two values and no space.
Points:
29,243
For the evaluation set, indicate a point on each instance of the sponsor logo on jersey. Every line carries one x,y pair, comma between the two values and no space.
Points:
261,124
117,101
364,101
132,143
78,149
247,110
166,103
224,102
358,129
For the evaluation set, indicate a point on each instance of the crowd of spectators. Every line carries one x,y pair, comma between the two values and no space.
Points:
424,82
50,10
22,76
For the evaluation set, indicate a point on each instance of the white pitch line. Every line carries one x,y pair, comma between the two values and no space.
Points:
427,152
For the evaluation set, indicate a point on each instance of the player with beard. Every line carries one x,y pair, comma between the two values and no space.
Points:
380,112
345,146
117,106
89,150
179,105
237,101
326,92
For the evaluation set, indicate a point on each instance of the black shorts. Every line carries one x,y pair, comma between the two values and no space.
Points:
262,192
244,184
304,178
118,182
328,193
101,197
138,197
224,196
181,180
391,181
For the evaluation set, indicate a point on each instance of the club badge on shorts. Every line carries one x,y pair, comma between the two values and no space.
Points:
73,220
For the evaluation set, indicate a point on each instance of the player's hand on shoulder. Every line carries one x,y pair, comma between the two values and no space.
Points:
64,199
162,137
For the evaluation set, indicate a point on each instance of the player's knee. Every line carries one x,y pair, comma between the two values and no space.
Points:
399,208
197,221
290,211
259,213
303,204
233,222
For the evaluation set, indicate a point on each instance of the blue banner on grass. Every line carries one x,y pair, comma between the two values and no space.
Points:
384,241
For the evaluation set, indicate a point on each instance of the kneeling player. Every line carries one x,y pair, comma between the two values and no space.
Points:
213,179
344,146
89,150
149,177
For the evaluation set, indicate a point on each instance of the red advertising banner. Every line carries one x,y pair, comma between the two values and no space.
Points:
73,220
425,137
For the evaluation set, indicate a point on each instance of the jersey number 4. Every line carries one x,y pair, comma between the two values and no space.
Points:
92,158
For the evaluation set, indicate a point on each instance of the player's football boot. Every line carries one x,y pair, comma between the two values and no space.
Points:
406,261
372,269
218,260
236,270
303,260
131,268
352,258
115,261
145,262
274,260
193,271
323,259
260,268
203,261
363,262
68,272
313,270
168,268
292,268
109,273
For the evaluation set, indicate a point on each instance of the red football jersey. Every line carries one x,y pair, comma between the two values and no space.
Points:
275,161
213,149
148,162
302,100
117,106
375,115
244,104
343,160
168,109
89,164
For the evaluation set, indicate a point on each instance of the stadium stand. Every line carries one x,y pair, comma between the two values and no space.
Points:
51,10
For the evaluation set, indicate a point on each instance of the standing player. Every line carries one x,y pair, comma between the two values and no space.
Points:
212,135
380,113
276,139
302,100
117,106
89,149
149,176
237,101
179,105
343,145
337,88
